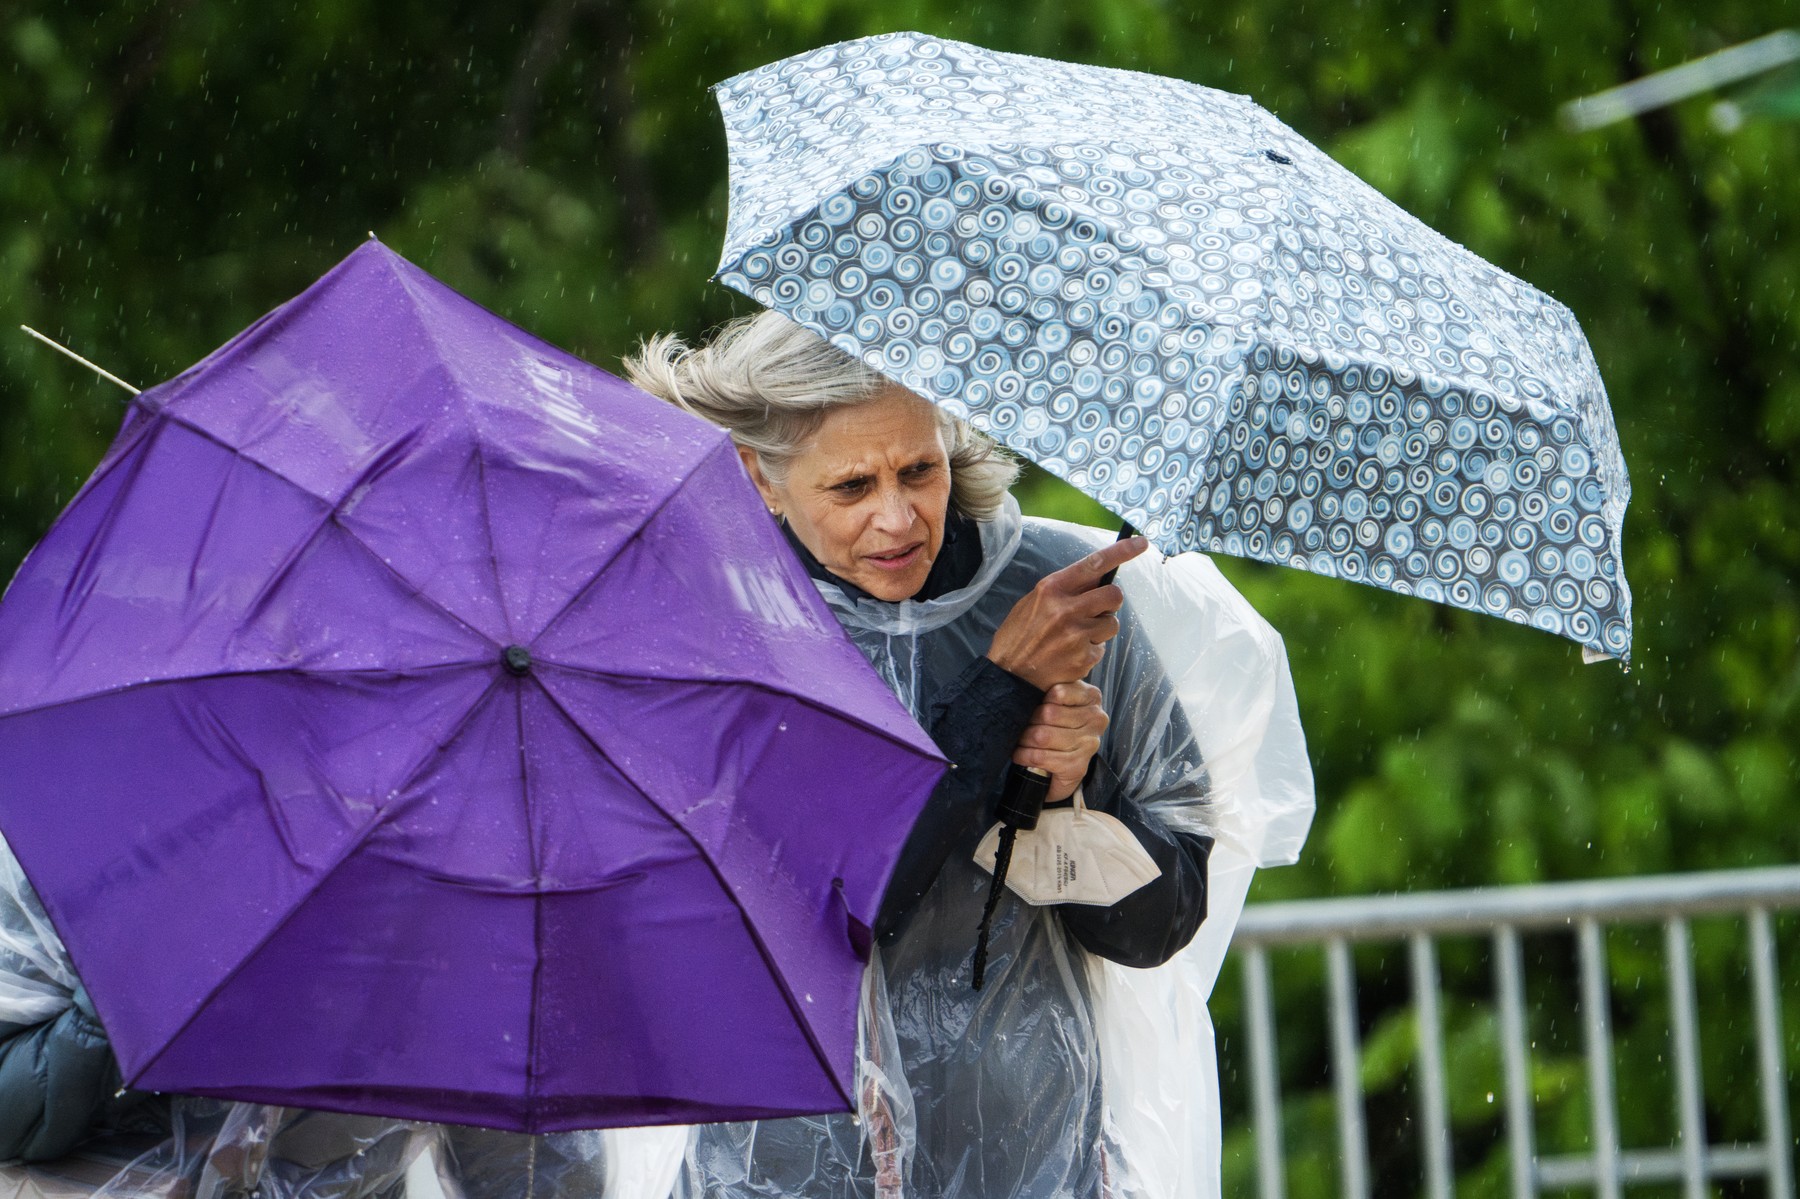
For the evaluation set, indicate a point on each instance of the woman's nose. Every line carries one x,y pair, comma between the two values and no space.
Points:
893,513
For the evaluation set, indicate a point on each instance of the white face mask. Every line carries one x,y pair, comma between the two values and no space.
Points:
1072,856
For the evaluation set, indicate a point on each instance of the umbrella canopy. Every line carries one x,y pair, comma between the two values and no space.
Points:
410,718
1165,296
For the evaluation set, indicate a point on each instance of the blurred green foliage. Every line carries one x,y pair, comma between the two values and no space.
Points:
169,170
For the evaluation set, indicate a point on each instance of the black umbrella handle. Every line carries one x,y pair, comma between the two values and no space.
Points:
1022,799
1021,802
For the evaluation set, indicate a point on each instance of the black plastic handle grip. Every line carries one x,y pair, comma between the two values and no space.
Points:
1022,799
1126,532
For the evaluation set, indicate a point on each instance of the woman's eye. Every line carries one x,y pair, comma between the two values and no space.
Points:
922,470
851,487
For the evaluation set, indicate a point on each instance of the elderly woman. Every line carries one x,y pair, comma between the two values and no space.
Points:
1056,1078
996,633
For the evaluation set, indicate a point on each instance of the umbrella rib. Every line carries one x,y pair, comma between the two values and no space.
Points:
163,413
487,523
448,363
299,902
762,949
331,507
108,519
756,684
297,671
600,569
414,590
380,819
265,594
1368,358
1474,295
537,914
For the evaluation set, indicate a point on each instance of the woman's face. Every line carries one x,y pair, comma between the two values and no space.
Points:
869,492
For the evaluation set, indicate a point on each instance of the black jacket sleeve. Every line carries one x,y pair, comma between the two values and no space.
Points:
56,1079
1156,921
976,721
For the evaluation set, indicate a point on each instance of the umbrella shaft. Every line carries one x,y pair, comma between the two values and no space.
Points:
1125,532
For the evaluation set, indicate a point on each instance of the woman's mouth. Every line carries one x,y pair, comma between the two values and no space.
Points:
897,560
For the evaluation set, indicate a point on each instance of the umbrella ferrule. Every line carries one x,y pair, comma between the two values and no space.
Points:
517,660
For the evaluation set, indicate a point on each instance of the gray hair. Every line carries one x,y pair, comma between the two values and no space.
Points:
769,383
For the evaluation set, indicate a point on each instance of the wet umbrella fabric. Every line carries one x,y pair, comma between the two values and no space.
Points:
1162,294
409,718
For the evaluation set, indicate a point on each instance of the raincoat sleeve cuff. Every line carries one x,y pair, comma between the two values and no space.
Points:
1155,922
981,714
976,722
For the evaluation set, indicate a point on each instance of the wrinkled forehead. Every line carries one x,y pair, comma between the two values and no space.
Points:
893,428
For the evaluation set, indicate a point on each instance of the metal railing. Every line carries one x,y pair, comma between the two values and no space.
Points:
1500,916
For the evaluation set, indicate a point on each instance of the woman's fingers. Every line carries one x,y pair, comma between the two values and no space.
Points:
1073,695
1066,770
1063,736
1100,601
1059,717
1064,763
1057,630
1057,738
1083,575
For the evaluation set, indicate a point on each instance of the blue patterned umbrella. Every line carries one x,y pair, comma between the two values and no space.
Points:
1162,294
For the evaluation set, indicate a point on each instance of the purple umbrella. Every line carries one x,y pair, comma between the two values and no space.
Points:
410,718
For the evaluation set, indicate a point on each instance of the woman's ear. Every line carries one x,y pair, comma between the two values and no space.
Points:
753,468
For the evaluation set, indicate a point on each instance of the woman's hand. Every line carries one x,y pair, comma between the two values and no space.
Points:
1058,630
1063,736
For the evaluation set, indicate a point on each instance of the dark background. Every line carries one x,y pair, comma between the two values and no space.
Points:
170,171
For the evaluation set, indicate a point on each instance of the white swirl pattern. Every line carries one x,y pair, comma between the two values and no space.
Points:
1165,296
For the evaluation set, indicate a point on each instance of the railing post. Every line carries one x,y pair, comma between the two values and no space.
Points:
1771,1054
1520,1134
1433,1107
1346,1069
1265,1079
1679,949
1595,1002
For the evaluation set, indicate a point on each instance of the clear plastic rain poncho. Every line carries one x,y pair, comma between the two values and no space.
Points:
1067,1076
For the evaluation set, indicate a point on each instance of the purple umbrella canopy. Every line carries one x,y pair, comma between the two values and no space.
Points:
409,718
